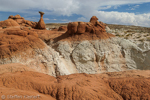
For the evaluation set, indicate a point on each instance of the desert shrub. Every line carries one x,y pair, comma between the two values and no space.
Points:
4,27
126,37
138,36
141,39
117,34
129,31
148,38
29,28
129,35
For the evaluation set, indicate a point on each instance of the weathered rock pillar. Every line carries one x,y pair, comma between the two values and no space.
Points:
41,24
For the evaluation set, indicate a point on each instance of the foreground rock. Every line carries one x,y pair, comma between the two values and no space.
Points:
9,23
24,46
129,85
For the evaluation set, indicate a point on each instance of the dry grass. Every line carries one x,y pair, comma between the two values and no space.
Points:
129,28
55,25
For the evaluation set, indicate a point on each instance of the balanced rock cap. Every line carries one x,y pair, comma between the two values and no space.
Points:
41,12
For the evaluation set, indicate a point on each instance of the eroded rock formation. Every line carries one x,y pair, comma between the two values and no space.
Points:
92,30
83,48
9,23
41,24
109,86
25,23
25,54
22,22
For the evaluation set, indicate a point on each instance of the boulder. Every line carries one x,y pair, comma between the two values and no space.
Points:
8,23
81,27
17,18
62,28
72,27
93,20
11,17
54,29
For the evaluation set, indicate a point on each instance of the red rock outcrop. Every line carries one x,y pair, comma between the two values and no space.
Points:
41,24
16,41
17,18
79,31
9,23
62,28
94,20
54,29
22,22
129,85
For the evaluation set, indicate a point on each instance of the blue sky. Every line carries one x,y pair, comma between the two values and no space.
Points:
125,12
131,8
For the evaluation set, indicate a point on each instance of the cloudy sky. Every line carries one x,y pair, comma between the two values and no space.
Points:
125,12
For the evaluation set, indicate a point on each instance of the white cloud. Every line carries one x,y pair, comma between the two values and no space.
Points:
124,18
61,7
81,19
116,7
86,8
65,20
106,7
134,7
46,18
32,18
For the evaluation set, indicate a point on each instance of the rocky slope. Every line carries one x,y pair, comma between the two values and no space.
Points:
83,48
36,63
128,85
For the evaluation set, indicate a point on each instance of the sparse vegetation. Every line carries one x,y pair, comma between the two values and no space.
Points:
129,35
148,38
141,39
4,27
129,28
29,28
138,36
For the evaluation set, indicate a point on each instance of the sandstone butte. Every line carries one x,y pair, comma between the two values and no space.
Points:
30,63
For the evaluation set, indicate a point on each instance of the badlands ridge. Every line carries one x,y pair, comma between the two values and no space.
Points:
36,61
